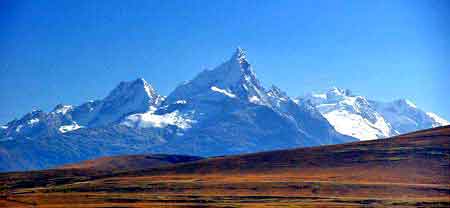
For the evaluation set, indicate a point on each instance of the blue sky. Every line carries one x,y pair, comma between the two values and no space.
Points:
71,51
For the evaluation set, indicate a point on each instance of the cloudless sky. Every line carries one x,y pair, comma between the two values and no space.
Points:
72,51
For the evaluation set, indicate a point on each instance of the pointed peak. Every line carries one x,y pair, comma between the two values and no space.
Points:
235,75
140,80
136,82
239,52
241,56
130,87
148,87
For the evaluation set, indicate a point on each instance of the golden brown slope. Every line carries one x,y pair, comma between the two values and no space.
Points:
130,162
89,169
421,157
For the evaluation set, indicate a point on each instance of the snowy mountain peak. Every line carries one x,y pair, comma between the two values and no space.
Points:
233,79
138,86
240,55
136,96
240,64
357,116
350,114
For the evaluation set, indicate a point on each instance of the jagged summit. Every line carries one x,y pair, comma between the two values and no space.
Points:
241,56
137,86
237,67
234,78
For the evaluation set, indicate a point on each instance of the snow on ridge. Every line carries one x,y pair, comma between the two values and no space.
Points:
437,119
254,99
357,126
18,128
71,127
319,95
225,92
411,104
33,121
181,102
149,119
63,109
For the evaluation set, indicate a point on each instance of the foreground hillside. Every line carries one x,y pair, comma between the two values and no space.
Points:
406,171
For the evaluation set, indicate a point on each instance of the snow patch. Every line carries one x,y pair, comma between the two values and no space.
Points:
149,119
225,92
254,99
439,121
18,128
71,127
182,102
33,121
409,103
320,95
63,109
354,125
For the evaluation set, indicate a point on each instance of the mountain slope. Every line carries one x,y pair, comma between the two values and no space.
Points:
365,119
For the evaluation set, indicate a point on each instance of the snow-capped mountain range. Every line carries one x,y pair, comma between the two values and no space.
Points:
127,98
366,119
225,110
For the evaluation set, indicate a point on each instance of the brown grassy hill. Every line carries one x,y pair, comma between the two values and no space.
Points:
420,157
129,162
88,169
